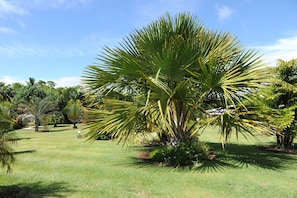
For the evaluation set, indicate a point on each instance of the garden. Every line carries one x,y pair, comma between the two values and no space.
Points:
177,110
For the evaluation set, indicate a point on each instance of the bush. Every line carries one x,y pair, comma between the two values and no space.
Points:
104,136
181,155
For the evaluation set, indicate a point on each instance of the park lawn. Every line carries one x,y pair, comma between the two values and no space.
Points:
58,164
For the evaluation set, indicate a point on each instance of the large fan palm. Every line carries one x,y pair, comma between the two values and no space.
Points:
165,74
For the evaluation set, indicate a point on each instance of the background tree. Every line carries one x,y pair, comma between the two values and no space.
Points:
74,111
282,96
38,108
6,92
165,74
56,118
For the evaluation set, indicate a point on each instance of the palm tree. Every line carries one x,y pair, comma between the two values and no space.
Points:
74,111
165,75
282,96
6,92
6,152
36,108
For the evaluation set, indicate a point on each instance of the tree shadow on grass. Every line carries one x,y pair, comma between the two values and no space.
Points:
55,130
36,190
24,138
243,156
234,157
24,152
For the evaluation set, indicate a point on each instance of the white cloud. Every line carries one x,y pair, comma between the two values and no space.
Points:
61,82
224,12
284,48
50,4
8,80
6,7
89,44
67,81
7,30
23,7
20,49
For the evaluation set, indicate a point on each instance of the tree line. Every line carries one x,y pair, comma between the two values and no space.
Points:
39,102
36,104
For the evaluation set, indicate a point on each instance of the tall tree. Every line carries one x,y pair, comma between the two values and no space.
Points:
31,89
165,74
283,97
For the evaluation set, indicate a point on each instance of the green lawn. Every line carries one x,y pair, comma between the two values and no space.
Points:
57,164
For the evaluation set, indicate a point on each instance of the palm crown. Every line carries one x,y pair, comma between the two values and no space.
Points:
165,75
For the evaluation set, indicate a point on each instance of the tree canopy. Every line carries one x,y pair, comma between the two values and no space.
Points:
165,76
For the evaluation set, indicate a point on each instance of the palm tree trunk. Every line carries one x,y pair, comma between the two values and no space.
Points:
36,125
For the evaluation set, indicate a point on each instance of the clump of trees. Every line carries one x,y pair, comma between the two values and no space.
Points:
38,102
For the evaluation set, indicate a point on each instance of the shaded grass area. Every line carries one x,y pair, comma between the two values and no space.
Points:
236,156
36,189
244,156
58,164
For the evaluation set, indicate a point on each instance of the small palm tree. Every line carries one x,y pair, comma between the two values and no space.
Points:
74,111
36,108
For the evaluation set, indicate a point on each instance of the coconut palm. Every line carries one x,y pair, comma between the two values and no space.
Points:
165,75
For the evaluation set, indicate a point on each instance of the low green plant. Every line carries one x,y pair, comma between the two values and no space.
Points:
104,136
182,154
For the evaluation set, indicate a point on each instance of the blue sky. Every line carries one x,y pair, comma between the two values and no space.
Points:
56,39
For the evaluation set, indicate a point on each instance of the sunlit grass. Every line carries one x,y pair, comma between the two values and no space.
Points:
57,164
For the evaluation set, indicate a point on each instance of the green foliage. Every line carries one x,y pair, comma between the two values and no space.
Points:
24,98
55,119
74,111
6,152
104,136
164,74
282,97
38,109
181,155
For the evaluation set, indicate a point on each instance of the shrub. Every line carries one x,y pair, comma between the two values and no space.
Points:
104,136
181,155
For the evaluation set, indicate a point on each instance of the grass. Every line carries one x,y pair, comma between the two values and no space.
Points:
58,164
